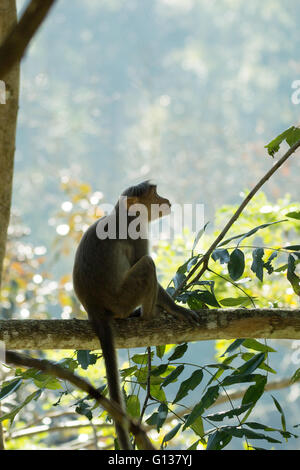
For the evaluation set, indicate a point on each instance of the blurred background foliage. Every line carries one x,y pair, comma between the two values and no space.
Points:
184,92
30,290
114,92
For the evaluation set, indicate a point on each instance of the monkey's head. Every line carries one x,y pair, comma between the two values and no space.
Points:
145,195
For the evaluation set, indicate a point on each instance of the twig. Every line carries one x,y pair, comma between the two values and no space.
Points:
15,45
64,427
113,408
205,258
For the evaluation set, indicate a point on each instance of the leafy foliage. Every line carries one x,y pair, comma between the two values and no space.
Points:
172,383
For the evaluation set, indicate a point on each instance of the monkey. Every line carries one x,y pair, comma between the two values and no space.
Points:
115,277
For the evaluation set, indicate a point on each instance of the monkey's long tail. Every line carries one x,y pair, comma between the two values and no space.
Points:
103,329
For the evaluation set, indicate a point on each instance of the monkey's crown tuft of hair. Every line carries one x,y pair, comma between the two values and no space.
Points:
139,189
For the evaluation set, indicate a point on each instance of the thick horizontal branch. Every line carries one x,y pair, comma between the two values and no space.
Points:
134,332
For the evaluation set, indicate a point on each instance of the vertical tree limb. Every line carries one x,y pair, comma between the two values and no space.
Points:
8,120
18,38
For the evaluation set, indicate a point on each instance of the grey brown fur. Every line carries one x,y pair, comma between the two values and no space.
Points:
113,277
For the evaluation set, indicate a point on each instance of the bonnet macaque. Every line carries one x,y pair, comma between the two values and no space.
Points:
114,275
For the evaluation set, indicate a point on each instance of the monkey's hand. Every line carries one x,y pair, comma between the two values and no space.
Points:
165,301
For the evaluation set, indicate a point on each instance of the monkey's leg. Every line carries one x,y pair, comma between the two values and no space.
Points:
165,301
139,288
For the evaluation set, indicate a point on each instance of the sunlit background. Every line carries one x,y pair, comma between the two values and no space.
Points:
185,92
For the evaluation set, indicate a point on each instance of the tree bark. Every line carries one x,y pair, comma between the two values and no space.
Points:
16,42
8,121
134,332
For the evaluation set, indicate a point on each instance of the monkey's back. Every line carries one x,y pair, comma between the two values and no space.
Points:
99,267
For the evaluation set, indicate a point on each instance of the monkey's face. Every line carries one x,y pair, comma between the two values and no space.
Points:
157,206
150,206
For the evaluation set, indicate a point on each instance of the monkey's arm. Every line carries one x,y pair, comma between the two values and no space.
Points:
165,301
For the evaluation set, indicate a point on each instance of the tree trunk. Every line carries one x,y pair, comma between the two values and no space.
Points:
8,121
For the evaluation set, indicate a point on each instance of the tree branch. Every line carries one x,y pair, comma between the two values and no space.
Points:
204,260
113,408
15,44
213,324
276,385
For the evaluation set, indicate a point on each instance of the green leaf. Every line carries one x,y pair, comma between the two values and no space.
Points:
172,433
296,376
133,406
197,427
293,215
206,401
208,298
178,279
68,363
160,351
43,380
283,421
84,409
221,255
159,370
291,136
229,414
162,414
194,302
142,376
189,384
183,268
239,379
194,445
192,263
159,417
257,346
12,414
173,376
197,298
218,440
152,420
293,247
222,369
236,265
257,266
157,392
221,366
254,392
268,264
233,346
292,276
198,236
179,352
10,387
128,371
85,358
248,433
235,301
250,233
141,358
252,364
263,427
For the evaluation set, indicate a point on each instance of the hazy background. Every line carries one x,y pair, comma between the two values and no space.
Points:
186,92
